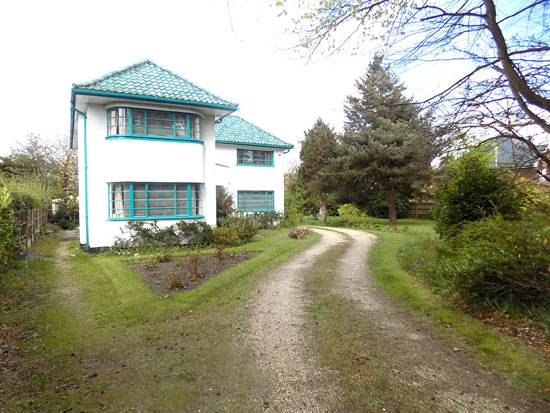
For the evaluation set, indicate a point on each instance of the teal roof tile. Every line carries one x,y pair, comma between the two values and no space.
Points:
236,130
146,78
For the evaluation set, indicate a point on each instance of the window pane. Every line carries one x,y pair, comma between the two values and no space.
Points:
161,212
161,187
160,132
161,203
159,115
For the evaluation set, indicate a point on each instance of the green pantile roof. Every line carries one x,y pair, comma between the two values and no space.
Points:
147,79
236,130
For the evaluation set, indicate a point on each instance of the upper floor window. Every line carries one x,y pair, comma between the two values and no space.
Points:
152,123
253,157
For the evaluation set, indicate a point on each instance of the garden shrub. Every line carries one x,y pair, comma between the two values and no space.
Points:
224,203
500,264
142,235
350,210
226,237
267,219
8,231
194,233
298,233
244,224
474,190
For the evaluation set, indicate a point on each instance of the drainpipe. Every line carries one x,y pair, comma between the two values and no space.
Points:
85,175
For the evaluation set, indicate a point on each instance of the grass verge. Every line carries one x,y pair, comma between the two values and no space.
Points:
96,338
519,363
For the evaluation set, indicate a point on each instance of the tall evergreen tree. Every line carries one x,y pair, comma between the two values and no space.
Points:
319,150
388,144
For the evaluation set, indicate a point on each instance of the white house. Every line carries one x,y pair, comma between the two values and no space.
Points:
154,146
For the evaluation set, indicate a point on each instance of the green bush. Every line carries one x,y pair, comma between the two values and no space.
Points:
194,233
350,210
503,265
226,237
8,231
268,219
474,190
244,224
224,203
143,235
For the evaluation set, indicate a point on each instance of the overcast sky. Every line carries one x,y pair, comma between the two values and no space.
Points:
237,49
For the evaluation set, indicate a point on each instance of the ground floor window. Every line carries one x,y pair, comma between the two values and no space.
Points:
138,200
255,201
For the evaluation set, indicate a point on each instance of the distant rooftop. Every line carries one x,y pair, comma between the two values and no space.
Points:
236,130
514,153
147,79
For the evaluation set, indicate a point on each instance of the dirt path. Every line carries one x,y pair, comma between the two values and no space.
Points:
439,377
277,330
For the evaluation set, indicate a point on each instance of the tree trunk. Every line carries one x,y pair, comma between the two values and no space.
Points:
391,203
323,210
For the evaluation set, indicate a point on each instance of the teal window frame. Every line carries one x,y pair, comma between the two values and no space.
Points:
123,204
261,201
263,158
121,125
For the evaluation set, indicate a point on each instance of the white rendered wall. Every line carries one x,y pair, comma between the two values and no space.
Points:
250,178
133,160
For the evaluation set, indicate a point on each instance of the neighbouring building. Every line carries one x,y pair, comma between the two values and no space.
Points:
153,146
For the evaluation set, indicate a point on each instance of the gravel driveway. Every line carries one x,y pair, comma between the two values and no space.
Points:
443,379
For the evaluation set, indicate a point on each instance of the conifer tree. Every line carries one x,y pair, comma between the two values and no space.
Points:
319,149
388,144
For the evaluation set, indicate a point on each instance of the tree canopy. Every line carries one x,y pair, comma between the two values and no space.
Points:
388,144
501,50
319,149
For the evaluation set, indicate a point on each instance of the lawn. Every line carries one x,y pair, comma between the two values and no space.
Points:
87,334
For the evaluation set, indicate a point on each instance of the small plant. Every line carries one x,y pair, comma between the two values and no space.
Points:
298,233
193,265
225,237
163,256
175,282
244,224
151,265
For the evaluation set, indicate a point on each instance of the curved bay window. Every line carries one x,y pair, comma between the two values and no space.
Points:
145,123
135,200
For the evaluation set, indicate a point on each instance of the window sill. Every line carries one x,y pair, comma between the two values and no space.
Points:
154,138
155,219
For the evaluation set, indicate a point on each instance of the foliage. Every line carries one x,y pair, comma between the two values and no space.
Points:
8,231
28,193
388,145
194,233
244,224
319,150
298,233
224,203
193,265
66,215
501,86
143,235
474,190
225,237
495,263
350,210
268,219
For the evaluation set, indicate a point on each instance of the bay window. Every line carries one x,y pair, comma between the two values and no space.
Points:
146,123
136,200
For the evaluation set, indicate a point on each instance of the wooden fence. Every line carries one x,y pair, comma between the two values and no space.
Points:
421,209
31,221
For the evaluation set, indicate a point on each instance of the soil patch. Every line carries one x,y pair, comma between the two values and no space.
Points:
531,332
185,273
